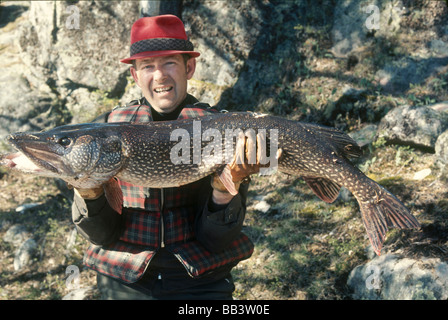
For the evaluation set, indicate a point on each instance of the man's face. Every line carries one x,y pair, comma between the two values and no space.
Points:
163,80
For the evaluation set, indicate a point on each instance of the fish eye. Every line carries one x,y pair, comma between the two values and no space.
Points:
64,141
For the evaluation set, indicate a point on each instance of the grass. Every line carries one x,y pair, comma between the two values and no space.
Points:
50,226
300,251
305,248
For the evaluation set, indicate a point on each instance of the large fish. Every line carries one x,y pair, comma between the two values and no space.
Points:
173,153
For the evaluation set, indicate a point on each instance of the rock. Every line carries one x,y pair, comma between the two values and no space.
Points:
224,35
79,294
132,92
262,206
26,206
441,148
19,237
439,47
442,154
422,174
236,41
24,254
355,22
59,50
417,126
16,235
345,195
5,225
71,241
440,106
365,135
86,105
349,30
223,49
392,277
45,59
19,101
397,75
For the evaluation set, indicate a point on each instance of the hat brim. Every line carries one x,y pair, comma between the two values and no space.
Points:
152,54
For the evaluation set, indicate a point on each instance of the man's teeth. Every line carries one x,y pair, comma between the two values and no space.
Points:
159,90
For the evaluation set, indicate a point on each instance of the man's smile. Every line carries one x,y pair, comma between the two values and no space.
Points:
163,89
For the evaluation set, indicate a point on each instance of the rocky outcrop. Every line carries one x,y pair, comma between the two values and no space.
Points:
441,149
397,76
25,246
392,277
358,22
56,56
417,126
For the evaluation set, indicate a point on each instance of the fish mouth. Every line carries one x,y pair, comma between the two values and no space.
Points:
44,159
20,162
34,155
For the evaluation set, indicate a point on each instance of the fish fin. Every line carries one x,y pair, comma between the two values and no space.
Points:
343,143
383,212
325,189
114,195
226,178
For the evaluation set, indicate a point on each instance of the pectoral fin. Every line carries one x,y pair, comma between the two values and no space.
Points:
114,195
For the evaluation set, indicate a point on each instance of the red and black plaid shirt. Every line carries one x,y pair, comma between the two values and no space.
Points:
128,258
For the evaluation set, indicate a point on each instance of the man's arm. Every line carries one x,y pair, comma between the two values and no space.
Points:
217,225
95,219
221,220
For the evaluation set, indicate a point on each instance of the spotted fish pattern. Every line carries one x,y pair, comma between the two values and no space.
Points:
88,155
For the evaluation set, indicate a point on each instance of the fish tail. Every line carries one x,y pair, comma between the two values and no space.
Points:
384,211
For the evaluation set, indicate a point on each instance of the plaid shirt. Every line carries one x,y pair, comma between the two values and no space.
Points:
144,213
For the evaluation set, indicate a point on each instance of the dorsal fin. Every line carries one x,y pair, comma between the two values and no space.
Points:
343,143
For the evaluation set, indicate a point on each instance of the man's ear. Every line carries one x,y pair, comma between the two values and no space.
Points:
135,75
191,68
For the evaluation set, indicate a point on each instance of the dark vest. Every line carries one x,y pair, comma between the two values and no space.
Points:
160,217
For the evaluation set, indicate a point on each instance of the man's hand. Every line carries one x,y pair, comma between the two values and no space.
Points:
111,189
89,194
248,159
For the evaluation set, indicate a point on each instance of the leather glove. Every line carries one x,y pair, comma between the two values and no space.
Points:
248,160
111,189
88,194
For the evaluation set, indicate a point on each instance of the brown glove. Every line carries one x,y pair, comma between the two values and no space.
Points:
247,160
218,185
89,194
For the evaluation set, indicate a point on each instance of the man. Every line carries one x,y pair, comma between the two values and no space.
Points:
172,243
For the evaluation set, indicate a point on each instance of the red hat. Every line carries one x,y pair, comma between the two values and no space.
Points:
159,36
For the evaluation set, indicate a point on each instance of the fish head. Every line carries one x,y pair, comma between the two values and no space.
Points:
74,153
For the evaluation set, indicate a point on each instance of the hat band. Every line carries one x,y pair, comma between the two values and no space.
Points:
161,44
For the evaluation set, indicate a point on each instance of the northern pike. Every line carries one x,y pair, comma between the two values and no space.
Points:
92,154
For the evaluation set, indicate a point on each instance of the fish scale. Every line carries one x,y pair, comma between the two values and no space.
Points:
140,153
